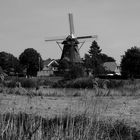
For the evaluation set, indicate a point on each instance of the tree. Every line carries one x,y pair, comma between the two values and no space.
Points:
95,59
94,49
130,62
32,61
94,53
87,61
10,64
106,58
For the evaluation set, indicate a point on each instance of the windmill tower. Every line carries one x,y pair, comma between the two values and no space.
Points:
70,51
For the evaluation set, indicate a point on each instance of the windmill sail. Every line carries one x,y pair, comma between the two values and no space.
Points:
70,43
71,25
86,37
56,38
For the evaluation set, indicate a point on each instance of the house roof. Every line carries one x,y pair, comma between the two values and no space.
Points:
110,66
49,61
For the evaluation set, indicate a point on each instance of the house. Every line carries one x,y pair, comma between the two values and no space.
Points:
112,67
118,70
49,67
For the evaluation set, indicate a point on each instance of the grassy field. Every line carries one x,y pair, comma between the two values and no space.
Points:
70,114
58,102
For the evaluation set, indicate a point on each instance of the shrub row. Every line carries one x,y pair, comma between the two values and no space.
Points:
89,83
26,83
77,83
84,82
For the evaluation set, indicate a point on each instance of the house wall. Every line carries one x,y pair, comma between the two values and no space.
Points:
44,73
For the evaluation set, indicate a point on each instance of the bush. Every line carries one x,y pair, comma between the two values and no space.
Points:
47,82
116,83
84,82
28,83
80,83
87,82
10,83
59,84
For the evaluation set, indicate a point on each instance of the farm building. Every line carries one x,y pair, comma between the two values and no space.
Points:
49,67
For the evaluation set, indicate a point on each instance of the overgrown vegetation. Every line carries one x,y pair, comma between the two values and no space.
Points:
25,82
81,83
88,82
80,127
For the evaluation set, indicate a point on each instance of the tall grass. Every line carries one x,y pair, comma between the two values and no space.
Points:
80,126
127,89
24,126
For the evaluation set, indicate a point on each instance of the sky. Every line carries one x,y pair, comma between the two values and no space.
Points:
27,23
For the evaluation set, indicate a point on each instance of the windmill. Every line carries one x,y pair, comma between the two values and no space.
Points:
70,51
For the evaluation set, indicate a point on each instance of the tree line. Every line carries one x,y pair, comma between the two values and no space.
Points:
30,61
129,65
